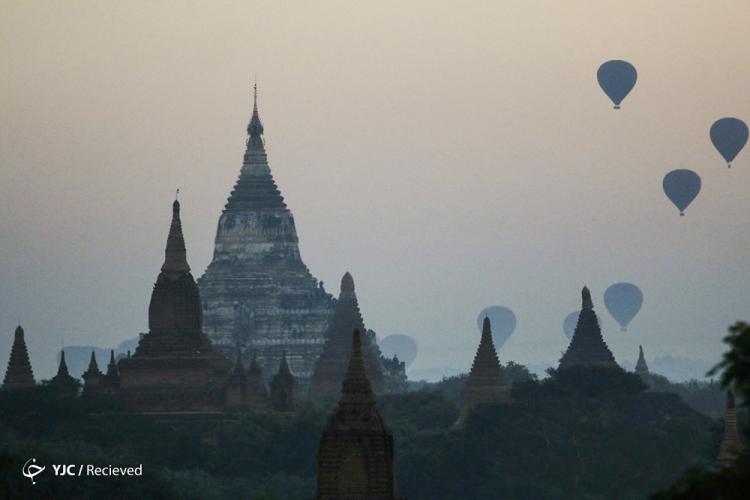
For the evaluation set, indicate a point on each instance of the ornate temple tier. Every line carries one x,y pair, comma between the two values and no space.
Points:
258,295
19,374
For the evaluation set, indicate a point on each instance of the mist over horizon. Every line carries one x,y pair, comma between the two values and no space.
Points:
450,159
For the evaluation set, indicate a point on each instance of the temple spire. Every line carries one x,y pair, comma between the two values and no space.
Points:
332,365
731,442
641,368
93,366
175,256
62,368
356,386
485,382
63,383
284,388
113,373
587,347
255,127
92,378
19,374
586,302
356,454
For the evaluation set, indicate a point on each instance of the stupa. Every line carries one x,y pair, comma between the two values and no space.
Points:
258,295
587,347
356,454
19,374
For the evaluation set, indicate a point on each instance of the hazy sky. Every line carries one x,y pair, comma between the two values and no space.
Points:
451,155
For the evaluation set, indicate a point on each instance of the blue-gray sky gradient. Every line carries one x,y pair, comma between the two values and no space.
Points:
451,155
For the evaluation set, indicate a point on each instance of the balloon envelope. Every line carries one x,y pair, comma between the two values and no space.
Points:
623,301
503,323
729,136
570,322
681,187
402,346
617,79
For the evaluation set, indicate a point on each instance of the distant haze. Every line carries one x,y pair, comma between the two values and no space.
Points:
450,155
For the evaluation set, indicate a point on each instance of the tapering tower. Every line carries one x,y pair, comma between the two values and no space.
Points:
63,383
731,442
258,295
93,378
112,378
19,375
587,347
174,368
485,383
331,366
284,388
356,455
641,368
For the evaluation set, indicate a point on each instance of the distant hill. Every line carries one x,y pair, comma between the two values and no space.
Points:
77,357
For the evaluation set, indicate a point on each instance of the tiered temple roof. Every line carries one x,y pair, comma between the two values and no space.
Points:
485,382
356,455
258,295
331,367
587,347
19,374
731,442
641,368
174,367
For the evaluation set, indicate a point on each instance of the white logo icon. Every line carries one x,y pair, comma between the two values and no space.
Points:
31,470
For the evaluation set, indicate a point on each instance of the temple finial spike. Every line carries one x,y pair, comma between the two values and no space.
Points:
175,257
255,127
586,302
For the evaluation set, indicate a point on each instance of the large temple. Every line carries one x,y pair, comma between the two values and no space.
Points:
485,383
587,347
356,455
174,368
19,375
258,295
331,367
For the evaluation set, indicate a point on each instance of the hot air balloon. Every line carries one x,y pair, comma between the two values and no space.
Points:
617,79
503,323
570,322
401,346
729,136
623,301
681,187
